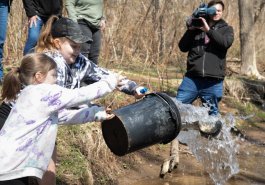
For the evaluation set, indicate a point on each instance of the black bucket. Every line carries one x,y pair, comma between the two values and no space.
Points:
152,120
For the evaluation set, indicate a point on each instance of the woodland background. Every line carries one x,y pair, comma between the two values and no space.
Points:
141,38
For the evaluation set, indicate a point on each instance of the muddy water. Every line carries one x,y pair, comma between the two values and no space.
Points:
251,159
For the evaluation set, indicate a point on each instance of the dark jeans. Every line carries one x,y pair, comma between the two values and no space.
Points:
209,90
91,49
20,181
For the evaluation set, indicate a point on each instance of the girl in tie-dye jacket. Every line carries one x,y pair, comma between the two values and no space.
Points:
27,138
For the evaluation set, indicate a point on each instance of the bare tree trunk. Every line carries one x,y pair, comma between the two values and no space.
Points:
247,38
155,43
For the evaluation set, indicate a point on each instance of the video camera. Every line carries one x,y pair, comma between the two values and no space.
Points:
204,11
201,11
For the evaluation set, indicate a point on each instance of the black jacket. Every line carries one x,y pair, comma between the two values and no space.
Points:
43,8
207,59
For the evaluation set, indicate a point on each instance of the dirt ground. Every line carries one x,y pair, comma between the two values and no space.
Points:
190,171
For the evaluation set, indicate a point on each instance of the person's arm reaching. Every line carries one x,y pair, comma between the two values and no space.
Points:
94,73
82,115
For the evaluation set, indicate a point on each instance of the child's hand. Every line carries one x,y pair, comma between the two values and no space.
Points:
109,114
113,80
120,78
103,115
140,92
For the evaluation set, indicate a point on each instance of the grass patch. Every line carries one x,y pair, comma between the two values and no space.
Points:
74,167
249,113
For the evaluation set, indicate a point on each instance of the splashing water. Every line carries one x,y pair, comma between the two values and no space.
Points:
217,154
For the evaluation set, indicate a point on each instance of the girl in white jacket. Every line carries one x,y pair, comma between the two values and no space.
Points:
28,136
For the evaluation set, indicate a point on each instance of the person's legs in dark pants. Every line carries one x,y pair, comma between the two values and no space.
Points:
95,46
91,48
85,47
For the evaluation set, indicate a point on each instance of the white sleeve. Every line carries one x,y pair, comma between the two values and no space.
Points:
79,116
57,98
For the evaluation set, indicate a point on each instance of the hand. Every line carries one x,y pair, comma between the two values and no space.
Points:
122,80
103,115
33,21
205,26
188,23
140,92
113,80
102,24
109,114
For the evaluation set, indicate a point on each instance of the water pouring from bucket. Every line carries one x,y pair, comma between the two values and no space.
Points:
159,118
154,119
217,154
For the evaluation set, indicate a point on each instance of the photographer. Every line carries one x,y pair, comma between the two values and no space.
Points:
207,47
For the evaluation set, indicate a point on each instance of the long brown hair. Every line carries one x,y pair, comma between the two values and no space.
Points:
45,41
23,75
